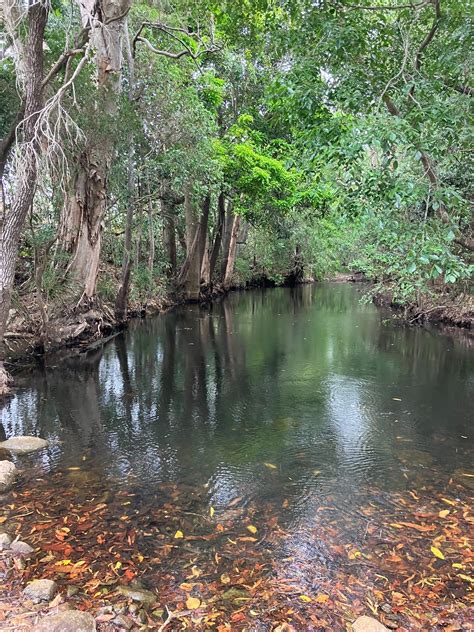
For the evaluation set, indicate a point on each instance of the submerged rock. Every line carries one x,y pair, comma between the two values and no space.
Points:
24,444
137,594
8,473
368,624
416,457
41,590
67,621
21,548
5,541
464,477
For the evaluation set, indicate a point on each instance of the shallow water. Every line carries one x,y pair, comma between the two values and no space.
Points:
302,400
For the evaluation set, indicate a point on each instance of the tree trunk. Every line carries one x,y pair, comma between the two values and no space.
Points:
192,275
229,271
169,236
229,221
151,237
11,222
121,302
80,231
216,246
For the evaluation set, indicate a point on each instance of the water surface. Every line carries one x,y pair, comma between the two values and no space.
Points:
302,401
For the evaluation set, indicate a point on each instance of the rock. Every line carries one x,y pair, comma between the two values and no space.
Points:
72,590
123,622
7,475
41,590
21,548
137,594
464,477
5,541
368,624
67,621
24,445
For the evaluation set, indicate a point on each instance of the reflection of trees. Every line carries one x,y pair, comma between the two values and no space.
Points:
261,376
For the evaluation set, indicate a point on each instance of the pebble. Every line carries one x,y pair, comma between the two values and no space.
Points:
24,444
67,621
21,548
41,590
368,624
5,541
8,474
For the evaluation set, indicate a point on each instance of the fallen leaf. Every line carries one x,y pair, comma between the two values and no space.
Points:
178,535
192,603
437,553
212,511
443,513
251,528
305,598
270,465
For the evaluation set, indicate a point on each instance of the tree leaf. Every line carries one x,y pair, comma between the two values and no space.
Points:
437,553
178,535
192,603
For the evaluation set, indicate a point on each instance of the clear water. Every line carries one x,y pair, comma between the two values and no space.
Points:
290,399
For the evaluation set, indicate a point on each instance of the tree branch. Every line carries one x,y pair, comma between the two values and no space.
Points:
388,7
171,32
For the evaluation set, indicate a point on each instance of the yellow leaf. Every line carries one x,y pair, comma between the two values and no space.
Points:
457,565
444,513
321,598
466,578
354,554
468,475
270,465
63,562
3,519
178,535
316,472
448,502
396,399
305,598
140,557
192,603
118,565
212,511
251,528
437,553
225,579
73,469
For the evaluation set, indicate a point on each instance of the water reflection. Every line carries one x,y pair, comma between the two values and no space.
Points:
306,379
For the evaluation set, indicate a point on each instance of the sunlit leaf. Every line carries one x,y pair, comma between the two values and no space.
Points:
178,535
270,465
251,528
443,513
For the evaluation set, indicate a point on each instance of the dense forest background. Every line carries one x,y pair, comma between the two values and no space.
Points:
160,150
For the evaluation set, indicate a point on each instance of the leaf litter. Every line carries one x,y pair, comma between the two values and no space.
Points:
403,558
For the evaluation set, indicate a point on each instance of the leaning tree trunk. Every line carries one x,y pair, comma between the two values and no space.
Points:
85,207
12,221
